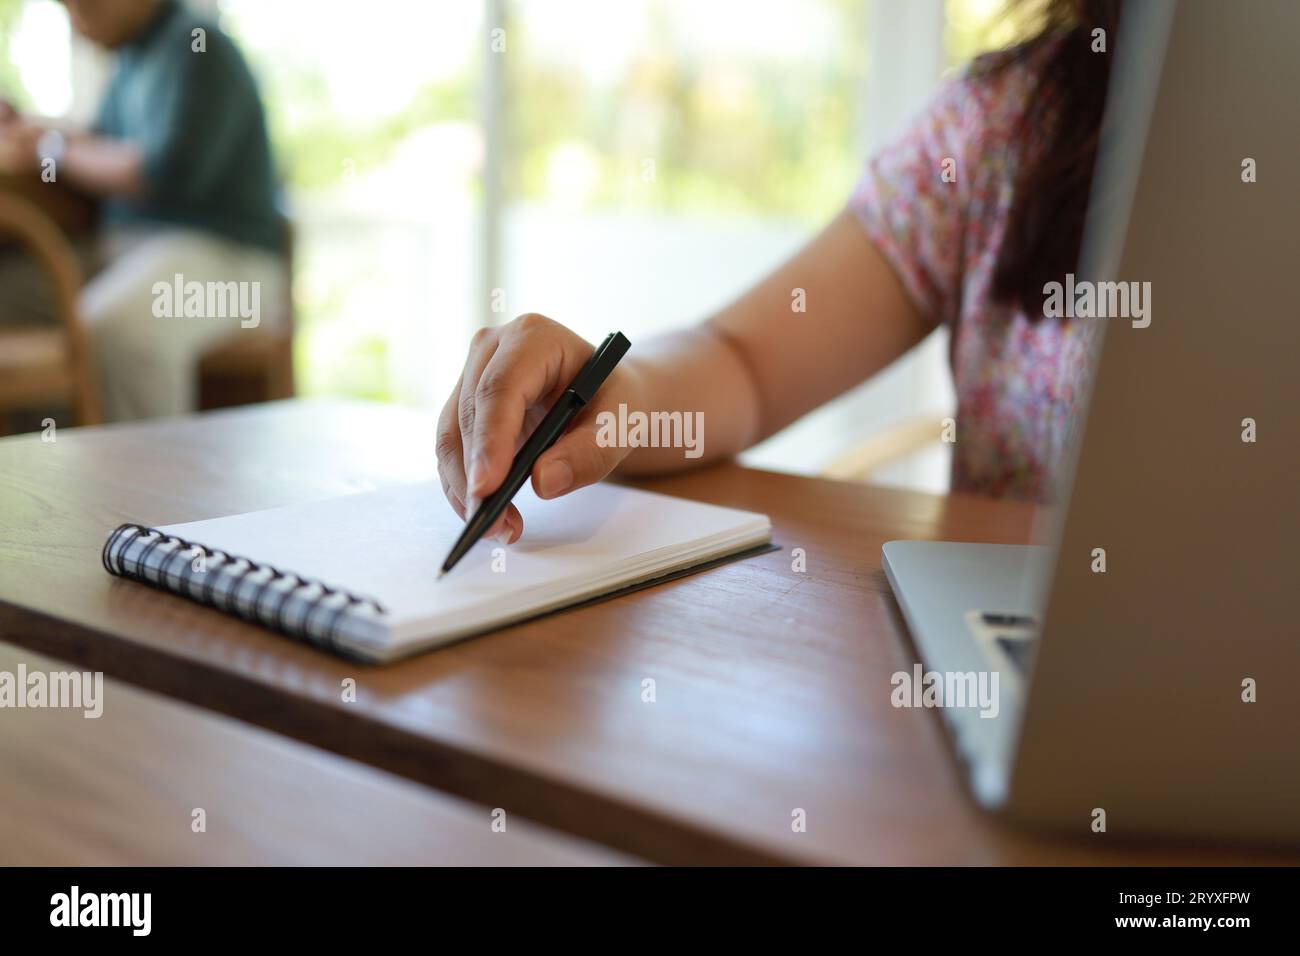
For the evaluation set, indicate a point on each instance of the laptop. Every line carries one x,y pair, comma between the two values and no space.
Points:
1147,648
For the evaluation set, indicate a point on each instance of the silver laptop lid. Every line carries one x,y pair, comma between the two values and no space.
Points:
1164,689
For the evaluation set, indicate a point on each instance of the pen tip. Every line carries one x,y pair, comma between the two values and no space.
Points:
441,575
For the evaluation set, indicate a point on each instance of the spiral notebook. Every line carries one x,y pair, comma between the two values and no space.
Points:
356,575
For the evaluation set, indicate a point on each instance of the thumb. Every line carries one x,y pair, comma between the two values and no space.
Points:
583,456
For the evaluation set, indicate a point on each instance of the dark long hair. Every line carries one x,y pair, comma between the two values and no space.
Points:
1062,120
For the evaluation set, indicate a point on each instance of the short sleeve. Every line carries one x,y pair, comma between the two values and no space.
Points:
911,201
200,116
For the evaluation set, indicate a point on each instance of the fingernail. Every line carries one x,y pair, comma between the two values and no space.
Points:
503,533
555,478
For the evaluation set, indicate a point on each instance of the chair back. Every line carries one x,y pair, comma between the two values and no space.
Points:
23,221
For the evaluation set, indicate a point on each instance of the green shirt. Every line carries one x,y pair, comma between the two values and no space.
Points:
198,118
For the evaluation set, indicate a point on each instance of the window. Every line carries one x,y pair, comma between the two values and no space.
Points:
655,157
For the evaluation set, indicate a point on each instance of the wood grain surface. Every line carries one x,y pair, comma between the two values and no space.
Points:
121,789
772,686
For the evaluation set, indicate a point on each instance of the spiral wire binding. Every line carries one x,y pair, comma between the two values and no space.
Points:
114,560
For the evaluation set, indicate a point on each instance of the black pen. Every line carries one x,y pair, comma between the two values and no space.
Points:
581,391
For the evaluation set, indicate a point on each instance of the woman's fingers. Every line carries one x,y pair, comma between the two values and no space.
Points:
583,455
483,346
512,375
451,457
527,371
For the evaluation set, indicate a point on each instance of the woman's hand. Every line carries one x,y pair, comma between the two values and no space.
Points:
749,371
512,377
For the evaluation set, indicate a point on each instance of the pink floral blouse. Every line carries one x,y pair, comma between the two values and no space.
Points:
1017,382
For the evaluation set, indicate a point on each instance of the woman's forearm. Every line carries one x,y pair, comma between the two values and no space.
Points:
695,372
830,317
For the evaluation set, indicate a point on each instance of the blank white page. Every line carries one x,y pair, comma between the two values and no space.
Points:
389,544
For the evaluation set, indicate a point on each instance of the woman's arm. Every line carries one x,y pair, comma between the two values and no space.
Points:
753,368
759,365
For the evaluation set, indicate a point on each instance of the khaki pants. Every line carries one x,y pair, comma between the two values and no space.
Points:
145,346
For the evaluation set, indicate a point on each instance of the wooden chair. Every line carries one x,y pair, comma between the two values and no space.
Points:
44,367
889,445
254,368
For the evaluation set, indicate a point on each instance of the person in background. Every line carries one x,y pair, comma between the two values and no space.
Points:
180,159
961,222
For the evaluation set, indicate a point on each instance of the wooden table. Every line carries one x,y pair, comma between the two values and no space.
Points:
772,686
122,789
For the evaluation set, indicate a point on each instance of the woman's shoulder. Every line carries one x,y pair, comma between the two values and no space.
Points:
988,94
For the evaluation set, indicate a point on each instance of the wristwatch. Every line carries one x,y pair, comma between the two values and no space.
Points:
52,145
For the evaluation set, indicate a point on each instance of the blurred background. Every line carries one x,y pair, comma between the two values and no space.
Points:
627,165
